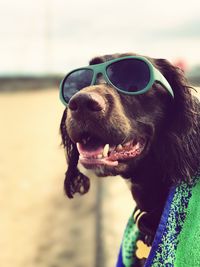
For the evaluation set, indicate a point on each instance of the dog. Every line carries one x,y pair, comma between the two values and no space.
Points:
150,139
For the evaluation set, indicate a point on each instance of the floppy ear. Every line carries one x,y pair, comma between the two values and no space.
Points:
182,108
75,181
180,146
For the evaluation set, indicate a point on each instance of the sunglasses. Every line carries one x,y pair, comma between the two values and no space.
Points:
131,75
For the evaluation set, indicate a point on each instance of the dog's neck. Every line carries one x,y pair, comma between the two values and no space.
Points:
151,194
149,190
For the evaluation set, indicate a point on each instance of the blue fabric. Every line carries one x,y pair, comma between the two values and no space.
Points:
161,228
119,261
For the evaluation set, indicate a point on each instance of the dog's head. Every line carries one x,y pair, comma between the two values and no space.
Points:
114,133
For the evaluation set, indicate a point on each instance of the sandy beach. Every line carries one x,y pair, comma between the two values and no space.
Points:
39,226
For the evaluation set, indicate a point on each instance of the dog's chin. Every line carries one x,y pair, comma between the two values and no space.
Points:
103,170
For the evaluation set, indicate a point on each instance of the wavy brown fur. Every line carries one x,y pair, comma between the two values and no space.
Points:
75,181
179,149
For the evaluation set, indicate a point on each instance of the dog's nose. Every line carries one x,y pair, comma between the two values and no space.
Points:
90,101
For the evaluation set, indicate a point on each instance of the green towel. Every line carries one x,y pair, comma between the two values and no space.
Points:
177,240
188,250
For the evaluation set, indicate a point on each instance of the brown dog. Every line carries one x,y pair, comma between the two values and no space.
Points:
152,138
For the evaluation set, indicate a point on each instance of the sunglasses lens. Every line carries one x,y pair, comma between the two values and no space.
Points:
76,81
130,75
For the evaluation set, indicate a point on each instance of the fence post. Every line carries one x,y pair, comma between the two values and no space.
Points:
99,247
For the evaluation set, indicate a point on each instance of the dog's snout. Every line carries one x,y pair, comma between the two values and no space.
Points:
90,101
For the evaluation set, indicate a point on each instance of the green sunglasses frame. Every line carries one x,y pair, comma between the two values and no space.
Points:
155,76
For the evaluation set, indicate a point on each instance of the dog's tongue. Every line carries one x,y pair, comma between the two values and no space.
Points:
89,152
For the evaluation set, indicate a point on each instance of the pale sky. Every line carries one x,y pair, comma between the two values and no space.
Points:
53,36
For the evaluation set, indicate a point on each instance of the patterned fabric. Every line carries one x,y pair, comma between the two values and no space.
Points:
129,244
169,242
188,250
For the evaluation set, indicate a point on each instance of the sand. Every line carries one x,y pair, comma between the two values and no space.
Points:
39,226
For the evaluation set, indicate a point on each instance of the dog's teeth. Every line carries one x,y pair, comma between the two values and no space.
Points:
137,146
128,144
84,141
100,156
78,146
119,147
105,150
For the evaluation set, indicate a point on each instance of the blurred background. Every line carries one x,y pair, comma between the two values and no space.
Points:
41,40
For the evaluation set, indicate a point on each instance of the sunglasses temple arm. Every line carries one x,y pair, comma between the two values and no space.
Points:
163,81
61,94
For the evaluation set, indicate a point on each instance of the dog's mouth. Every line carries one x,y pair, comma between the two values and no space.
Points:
94,153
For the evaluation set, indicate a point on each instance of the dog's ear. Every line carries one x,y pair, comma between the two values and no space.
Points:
75,181
181,110
180,146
